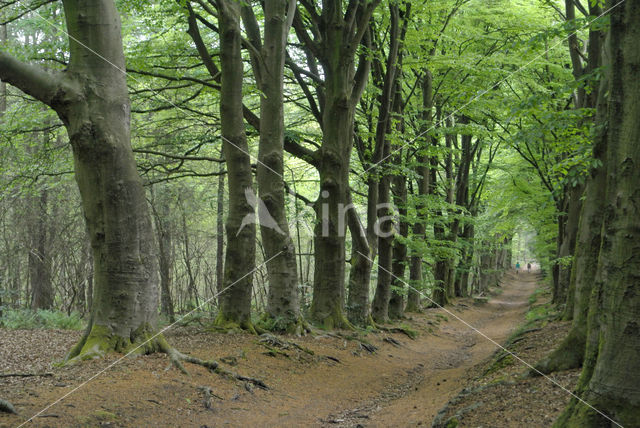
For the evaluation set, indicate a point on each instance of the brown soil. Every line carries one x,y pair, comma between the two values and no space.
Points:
404,383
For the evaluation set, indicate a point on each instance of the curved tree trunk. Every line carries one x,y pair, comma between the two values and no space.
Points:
91,99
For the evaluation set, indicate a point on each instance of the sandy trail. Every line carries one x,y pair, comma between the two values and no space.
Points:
402,385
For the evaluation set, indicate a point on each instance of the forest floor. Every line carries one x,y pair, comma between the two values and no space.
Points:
449,372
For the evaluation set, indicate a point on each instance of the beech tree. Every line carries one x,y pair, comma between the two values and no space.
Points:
610,381
331,38
90,97
268,55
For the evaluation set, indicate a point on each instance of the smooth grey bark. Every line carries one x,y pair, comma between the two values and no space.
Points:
570,352
92,101
610,379
268,58
235,300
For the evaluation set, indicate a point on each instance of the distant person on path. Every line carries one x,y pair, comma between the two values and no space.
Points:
518,267
528,267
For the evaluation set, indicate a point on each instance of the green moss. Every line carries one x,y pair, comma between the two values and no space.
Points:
335,320
225,324
292,325
97,418
504,360
452,423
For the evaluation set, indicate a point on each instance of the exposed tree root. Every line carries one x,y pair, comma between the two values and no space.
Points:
223,324
99,340
7,407
25,374
410,333
271,341
334,320
568,355
269,324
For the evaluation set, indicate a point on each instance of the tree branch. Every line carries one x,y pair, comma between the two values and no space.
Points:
30,79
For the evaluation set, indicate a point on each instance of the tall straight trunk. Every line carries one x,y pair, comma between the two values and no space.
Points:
235,300
451,233
573,204
283,302
39,266
399,254
92,100
360,272
380,303
327,306
423,183
610,379
462,201
3,85
165,255
399,190
220,234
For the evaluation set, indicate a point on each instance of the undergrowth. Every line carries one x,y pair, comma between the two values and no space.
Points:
42,318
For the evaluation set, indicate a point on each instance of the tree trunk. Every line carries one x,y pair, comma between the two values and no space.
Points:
283,301
3,84
568,243
165,245
360,273
327,306
39,265
235,297
220,234
424,188
610,380
91,99
380,304
399,263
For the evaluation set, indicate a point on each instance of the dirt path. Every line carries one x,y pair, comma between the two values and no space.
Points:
341,384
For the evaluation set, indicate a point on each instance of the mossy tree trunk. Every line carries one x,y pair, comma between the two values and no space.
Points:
337,32
268,58
570,352
610,380
92,101
239,264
